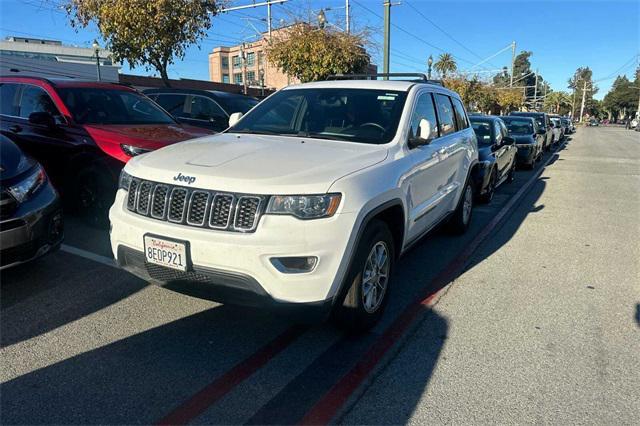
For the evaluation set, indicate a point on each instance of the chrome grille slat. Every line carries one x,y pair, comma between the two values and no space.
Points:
198,206
144,197
247,210
159,201
195,207
177,204
221,208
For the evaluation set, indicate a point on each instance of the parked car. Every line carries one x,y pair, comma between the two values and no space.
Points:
306,202
529,139
83,133
543,122
31,221
593,122
566,125
496,155
204,108
558,134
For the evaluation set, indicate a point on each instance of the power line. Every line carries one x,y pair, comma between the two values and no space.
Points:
623,67
445,32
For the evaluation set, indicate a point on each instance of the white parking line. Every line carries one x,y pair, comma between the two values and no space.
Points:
107,261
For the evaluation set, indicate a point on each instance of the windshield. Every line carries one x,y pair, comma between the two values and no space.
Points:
233,104
111,106
483,132
519,127
352,115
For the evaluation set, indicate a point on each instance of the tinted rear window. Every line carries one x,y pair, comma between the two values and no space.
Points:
518,127
8,104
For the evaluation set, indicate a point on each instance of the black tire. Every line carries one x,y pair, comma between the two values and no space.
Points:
491,189
93,195
460,219
352,314
512,172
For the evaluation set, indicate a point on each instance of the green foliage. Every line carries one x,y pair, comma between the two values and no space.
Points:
482,97
151,33
445,65
558,103
310,53
622,98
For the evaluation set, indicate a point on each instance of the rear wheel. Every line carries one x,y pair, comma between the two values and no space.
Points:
368,280
461,218
491,189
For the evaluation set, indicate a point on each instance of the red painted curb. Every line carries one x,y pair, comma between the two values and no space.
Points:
329,405
211,393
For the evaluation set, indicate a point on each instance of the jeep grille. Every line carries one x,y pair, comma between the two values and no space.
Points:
195,207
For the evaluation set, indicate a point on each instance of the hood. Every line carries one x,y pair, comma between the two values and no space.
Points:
148,136
257,164
12,161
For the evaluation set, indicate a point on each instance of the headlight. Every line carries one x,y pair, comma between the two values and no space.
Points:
24,189
132,151
304,206
124,181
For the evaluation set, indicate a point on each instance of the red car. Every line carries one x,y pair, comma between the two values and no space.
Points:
83,133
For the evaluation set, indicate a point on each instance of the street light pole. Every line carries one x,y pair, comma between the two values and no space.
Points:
387,35
584,95
243,57
347,17
429,64
96,48
535,92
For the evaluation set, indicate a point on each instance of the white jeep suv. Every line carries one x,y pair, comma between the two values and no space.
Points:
306,202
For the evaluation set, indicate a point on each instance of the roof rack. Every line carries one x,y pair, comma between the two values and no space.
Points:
417,77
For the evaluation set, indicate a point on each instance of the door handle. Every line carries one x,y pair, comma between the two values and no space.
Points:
15,128
442,151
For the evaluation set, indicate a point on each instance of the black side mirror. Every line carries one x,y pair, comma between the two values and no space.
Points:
42,118
508,140
541,131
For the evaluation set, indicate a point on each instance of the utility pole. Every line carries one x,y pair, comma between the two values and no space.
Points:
535,92
387,35
243,58
96,48
347,17
584,95
267,3
513,61
269,18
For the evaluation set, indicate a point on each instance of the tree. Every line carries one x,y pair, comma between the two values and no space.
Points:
582,79
445,64
151,33
557,102
509,100
311,53
622,99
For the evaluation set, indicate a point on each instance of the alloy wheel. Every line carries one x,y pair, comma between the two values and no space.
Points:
375,277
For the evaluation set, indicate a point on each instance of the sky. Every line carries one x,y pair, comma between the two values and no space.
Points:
562,34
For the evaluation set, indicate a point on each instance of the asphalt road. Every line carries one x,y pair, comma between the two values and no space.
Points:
534,318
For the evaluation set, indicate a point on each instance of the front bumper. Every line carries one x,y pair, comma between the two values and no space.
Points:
481,177
36,228
232,267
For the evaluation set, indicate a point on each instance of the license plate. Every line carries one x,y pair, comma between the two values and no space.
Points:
172,254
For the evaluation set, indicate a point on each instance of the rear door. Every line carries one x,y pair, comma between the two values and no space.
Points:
427,175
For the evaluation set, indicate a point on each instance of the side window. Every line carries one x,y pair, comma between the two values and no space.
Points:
446,123
35,99
503,129
461,118
204,109
424,109
172,103
8,101
497,131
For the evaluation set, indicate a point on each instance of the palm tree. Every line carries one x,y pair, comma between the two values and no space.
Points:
445,64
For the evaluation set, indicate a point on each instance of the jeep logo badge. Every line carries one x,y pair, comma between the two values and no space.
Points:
182,178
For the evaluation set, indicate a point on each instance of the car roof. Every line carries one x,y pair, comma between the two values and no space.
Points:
396,85
527,113
66,82
484,118
517,117
204,92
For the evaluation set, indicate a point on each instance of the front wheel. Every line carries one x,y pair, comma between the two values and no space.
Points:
491,189
368,280
94,193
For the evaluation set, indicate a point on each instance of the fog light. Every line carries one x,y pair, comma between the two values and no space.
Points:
294,265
